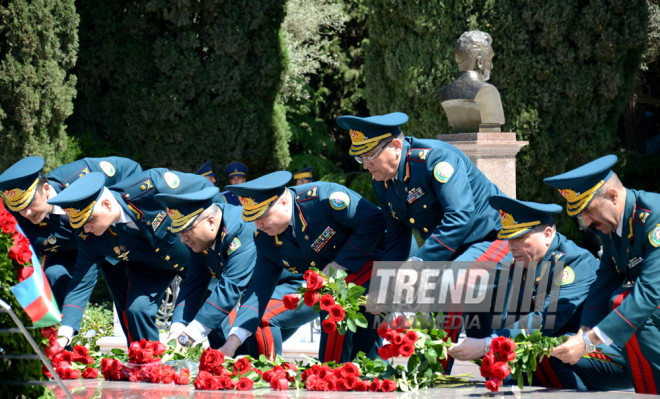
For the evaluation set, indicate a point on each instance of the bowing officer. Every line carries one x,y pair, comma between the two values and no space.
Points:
315,225
125,223
27,190
628,222
205,170
432,187
236,172
532,237
304,176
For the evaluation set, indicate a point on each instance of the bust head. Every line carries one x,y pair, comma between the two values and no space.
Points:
473,52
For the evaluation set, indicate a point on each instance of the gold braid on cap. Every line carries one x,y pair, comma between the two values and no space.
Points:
304,175
78,218
510,231
23,199
252,211
181,223
576,204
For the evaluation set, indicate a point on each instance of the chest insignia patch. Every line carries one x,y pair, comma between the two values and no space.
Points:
414,194
323,239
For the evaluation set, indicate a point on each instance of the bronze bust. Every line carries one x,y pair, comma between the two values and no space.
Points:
471,104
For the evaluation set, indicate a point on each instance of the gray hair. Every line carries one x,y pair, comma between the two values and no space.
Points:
469,46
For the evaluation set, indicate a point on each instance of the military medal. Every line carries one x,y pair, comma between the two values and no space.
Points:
323,239
414,194
52,240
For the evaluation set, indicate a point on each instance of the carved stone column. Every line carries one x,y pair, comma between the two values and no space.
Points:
493,153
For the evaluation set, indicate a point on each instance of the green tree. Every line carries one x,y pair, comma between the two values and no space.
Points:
564,70
176,83
38,49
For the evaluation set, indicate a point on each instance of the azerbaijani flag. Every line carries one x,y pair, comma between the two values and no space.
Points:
35,296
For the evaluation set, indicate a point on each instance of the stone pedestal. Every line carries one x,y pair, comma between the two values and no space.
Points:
493,153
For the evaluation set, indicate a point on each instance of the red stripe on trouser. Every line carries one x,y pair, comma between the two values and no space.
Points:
554,380
264,335
639,366
232,317
335,342
495,252
539,374
128,331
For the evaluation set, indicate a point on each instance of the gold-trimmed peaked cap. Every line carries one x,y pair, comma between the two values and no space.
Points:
367,133
184,209
258,195
79,198
236,169
305,173
579,186
19,183
205,170
519,217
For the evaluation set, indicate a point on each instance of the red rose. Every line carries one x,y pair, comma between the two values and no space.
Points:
500,370
7,222
67,356
181,379
411,336
19,239
144,355
64,373
352,381
324,371
202,379
310,383
394,350
185,371
53,347
279,384
507,347
327,301
494,384
80,350
338,373
24,273
511,356
401,324
406,350
336,313
291,301
487,364
362,386
48,331
242,365
351,369
226,383
340,385
20,253
399,339
388,386
244,384
375,385
311,297
268,375
314,281
383,328
384,352
496,344
211,359
289,366
44,369
329,326
159,348
90,373
331,383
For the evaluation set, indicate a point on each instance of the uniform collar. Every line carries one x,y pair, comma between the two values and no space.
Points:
401,172
619,228
630,206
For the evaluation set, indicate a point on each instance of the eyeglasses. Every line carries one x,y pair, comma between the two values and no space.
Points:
189,229
363,159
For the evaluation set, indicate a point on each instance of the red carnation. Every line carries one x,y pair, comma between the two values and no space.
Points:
24,273
327,301
351,369
329,326
244,384
336,313
388,386
494,384
182,379
500,370
167,374
90,373
406,350
321,385
411,336
279,384
384,352
291,301
311,297
314,281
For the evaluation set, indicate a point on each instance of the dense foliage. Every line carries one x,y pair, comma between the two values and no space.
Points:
564,70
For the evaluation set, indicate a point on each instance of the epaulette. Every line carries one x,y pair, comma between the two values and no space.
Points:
83,236
75,176
310,194
257,233
138,213
558,255
641,215
418,154
112,233
138,190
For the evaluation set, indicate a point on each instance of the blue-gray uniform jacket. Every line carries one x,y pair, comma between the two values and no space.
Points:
114,169
231,261
152,246
331,223
230,198
636,259
440,193
579,273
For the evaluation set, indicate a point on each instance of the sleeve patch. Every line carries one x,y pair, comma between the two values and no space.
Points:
654,236
107,168
171,179
567,276
233,246
339,200
443,172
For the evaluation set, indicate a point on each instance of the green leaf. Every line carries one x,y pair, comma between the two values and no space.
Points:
413,362
263,359
333,286
351,324
362,321
431,355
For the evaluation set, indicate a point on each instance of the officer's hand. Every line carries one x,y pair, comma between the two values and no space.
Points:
172,336
570,351
334,265
469,349
63,341
229,348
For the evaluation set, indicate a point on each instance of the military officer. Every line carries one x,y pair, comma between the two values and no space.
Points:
304,176
205,170
223,249
314,225
125,222
27,191
236,172
532,237
432,187
628,222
